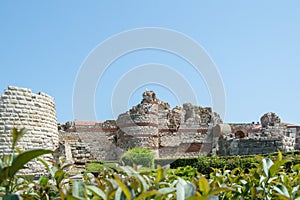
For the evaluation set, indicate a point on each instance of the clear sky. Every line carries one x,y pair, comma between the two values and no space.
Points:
254,44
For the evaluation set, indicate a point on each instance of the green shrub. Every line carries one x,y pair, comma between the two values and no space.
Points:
175,163
138,156
207,164
93,166
187,172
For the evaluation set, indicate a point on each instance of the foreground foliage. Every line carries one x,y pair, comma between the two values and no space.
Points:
266,178
206,164
11,164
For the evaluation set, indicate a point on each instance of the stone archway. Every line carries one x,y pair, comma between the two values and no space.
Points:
240,134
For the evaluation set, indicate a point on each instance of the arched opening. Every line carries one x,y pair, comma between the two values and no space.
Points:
240,134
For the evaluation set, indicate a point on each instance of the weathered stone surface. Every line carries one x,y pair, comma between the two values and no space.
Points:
150,124
180,132
269,119
16,110
268,137
171,133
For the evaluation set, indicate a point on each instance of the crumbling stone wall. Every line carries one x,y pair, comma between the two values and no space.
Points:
91,141
139,126
269,119
185,131
250,146
267,137
21,108
170,133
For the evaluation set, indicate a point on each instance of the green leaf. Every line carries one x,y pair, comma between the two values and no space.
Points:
295,190
51,170
198,198
281,189
204,186
184,189
253,192
296,167
59,176
69,197
16,135
24,158
189,190
147,194
97,191
113,193
283,197
78,190
159,174
122,186
166,190
276,166
180,194
220,190
10,197
279,155
213,197
271,179
4,174
18,150
43,181
132,172
267,163
119,196
66,165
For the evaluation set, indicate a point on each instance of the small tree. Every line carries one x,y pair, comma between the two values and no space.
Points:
138,156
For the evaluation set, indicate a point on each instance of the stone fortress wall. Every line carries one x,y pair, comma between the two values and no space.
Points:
186,131
170,133
90,141
21,108
267,136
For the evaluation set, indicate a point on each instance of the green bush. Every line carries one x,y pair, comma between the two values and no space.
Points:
138,156
93,166
206,164
186,173
175,163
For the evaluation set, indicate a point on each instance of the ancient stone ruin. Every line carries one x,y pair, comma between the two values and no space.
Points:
267,136
179,132
170,133
185,131
21,108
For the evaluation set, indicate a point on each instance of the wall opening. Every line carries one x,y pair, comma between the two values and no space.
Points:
240,134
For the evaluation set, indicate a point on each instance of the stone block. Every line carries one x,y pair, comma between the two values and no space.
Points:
22,102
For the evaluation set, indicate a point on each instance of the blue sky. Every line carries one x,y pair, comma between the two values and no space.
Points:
255,46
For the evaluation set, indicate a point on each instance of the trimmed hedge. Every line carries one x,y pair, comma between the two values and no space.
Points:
206,164
174,163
